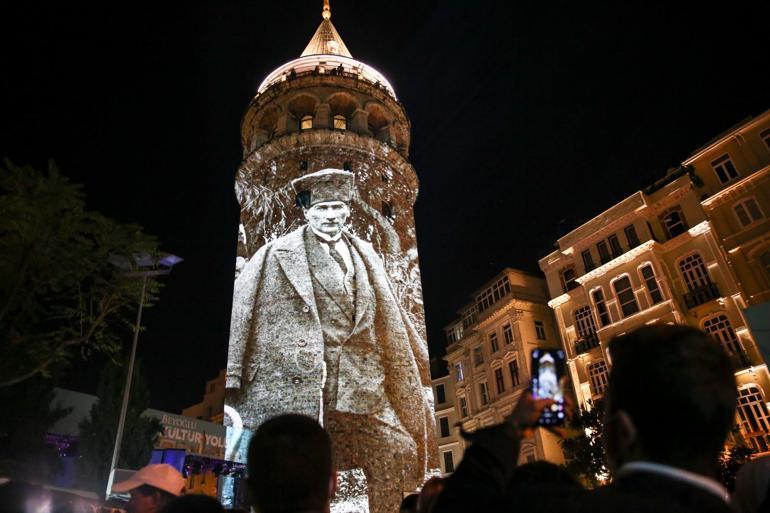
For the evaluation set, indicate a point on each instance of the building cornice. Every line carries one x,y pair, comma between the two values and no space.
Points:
616,262
735,189
747,125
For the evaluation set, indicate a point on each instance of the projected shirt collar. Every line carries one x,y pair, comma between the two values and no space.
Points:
327,238
679,474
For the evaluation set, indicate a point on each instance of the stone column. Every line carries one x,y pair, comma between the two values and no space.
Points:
360,122
286,123
322,116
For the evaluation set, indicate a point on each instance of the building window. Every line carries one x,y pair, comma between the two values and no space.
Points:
754,417
387,211
449,462
493,342
725,169
597,373
694,272
764,261
652,284
507,334
493,294
568,276
443,423
478,355
674,222
539,330
625,295
469,317
340,122
463,406
748,211
615,246
306,122
499,381
631,237
440,394
584,322
601,307
484,393
719,327
588,261
459,372
765,136
604,252
513,367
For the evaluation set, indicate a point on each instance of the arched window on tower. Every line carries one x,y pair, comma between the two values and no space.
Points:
340,122
306,122
388,211
754,419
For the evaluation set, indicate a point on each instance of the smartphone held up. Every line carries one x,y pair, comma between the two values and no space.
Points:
548,367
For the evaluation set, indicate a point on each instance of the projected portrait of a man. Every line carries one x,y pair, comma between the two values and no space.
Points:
316,329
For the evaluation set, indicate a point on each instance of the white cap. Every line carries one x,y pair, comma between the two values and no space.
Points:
161,475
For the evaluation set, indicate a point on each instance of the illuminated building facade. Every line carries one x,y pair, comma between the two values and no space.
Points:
692,248
488,350
211,408
450,444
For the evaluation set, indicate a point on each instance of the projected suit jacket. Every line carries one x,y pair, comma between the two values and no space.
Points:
276,358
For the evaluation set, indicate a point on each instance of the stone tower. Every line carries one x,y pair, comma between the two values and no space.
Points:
328,110
307,335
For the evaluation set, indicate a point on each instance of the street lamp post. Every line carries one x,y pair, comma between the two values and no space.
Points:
143,262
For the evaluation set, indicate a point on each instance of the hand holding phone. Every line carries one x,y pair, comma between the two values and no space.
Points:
548,366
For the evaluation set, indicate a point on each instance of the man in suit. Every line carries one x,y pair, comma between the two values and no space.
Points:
317,330
670,402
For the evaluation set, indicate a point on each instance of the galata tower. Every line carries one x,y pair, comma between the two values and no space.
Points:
314,117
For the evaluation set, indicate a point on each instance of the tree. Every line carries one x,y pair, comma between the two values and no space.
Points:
584,451
29,416
98,430
59,295
734,454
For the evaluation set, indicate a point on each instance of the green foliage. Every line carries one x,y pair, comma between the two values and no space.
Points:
59,295
29,414
584,451
732,459
98,430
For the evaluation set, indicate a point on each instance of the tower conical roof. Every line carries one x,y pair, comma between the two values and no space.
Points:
326,40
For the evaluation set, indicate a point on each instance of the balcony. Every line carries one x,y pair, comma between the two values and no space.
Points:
701,295
740,360
586,343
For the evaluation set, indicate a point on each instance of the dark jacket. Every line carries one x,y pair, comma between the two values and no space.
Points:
480,484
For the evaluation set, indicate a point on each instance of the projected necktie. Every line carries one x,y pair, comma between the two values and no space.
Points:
335,255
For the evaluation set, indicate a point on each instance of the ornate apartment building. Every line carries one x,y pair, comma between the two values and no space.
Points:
488,350
211,408
692,248
450,444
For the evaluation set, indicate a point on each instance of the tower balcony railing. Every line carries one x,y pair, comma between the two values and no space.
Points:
585,344
701,295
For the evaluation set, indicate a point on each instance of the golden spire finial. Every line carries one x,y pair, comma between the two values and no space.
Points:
327,12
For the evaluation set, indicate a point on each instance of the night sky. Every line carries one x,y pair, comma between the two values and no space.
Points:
527,119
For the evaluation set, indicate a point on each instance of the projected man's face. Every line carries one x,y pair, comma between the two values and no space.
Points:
328,217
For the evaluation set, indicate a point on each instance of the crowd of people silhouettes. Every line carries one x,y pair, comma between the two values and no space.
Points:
669,406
